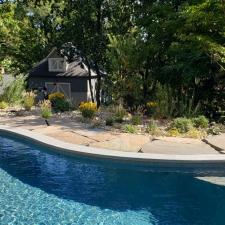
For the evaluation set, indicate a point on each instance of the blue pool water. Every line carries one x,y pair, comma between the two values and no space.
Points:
38,186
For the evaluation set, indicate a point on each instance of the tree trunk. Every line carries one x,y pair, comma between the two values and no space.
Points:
98,88
89,80
98,59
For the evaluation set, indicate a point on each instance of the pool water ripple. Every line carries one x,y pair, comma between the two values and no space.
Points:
38,186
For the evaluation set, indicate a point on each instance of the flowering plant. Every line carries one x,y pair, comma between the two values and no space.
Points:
88,109
56,95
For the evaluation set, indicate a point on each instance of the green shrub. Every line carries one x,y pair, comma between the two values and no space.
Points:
152,128
151,108
129,129
13,94
120,112
109,121
88,109
136,119
28,100
183,125
3,105
215,129
201,121
60,105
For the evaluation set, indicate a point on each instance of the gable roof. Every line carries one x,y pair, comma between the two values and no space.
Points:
74,69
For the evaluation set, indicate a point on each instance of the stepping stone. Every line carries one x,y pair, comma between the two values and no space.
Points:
125,142
217,141
165,147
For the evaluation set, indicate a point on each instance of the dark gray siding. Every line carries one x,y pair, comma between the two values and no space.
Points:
77,84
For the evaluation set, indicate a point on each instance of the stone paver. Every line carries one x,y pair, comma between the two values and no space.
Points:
165,147
125,142
217,142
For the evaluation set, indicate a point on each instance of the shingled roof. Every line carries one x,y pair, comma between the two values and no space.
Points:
74,69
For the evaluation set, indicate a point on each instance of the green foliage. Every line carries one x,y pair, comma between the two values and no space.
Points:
120,113
201,121
183,125
215,129
166,102
3,105
13,94
136,120
152,128
60,105
171,52
109,121
128,128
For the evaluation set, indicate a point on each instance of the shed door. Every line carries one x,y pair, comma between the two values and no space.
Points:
59,87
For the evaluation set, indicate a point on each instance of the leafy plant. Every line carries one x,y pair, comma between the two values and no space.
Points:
200,121
120,112
3,105
109,121
60,105
28,100
215,129
128,128
46,110
152,128
151,108
136,119
182,124
166,102
88,109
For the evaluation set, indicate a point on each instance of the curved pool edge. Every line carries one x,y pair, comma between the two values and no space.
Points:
212,160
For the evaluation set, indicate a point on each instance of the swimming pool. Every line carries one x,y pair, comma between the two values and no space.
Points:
38,186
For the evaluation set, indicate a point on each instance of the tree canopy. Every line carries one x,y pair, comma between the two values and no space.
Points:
142,45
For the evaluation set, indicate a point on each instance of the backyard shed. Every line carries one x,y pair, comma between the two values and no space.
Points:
55,74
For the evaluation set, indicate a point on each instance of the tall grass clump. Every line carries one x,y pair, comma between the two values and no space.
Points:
13,94
28,100
46,110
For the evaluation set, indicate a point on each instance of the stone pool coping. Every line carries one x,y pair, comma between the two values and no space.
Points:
211,160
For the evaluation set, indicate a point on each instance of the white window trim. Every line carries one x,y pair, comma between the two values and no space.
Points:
57,88
58,69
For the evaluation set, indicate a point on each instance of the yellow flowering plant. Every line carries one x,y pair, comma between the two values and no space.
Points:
151,107
88,109
56,95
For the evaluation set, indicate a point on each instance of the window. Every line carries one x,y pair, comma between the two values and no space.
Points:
56,65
